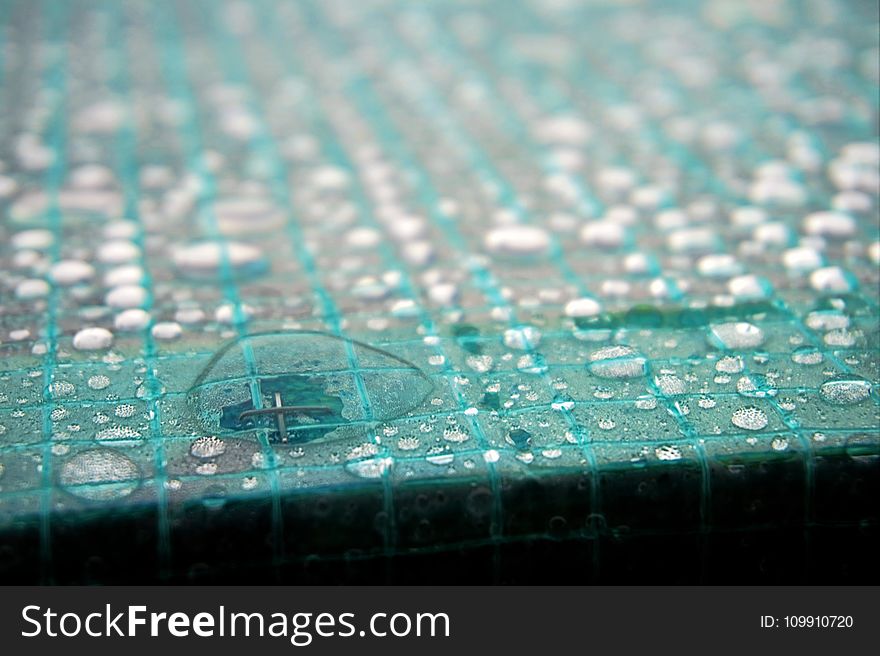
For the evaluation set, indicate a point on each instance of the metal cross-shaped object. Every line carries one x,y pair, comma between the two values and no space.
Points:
280,410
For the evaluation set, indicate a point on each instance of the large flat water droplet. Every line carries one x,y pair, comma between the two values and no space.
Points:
99,475
845,390
302,386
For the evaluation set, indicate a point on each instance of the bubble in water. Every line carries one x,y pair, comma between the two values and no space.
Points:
736,335
617,361
99,475
749,418
845,390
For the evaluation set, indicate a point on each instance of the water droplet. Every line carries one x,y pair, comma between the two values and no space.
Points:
617,361
479,363
729,364
71,272
92,339
830,224
209,259
440,458
562,404
522,338
582,307
166,330
125,410
749,418
207,469
668,452
532,363
126,296
520,438
32,288
844,338
208,447
845,390
604,234
98,382
707,402
646,402
131,320
807,355
517,240
99,475
408,443
62,388
779,444
491,456
832,279
455,433
670,384
736,335
756,386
